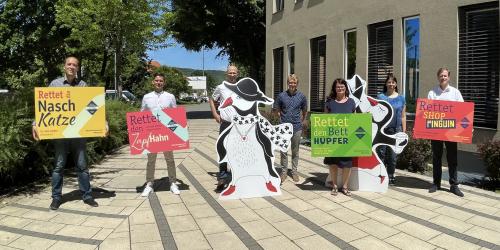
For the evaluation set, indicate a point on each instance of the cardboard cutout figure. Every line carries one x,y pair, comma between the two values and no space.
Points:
369,173
248,144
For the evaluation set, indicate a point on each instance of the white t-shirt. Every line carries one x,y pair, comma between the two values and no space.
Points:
221,92
448,94
154,100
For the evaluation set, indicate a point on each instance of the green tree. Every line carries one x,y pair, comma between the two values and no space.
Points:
103,29
238,27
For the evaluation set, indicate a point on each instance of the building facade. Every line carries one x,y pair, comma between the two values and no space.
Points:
321,40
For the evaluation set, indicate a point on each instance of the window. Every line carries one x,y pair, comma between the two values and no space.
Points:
411,61
291,59
478,66
379,55
278,5
318,73
277,71
349,53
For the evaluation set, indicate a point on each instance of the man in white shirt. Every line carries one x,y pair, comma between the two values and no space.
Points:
221,92
159,99
445,92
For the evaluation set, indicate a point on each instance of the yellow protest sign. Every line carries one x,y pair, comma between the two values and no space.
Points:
70,112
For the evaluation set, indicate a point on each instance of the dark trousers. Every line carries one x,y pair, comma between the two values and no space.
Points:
77,147
451,157
387,155
223,166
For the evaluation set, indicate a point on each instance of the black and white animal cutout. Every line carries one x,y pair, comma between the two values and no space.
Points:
369,173
248,144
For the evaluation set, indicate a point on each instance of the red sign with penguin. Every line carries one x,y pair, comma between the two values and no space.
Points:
444,120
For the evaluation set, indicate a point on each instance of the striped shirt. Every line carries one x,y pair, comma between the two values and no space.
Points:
290,107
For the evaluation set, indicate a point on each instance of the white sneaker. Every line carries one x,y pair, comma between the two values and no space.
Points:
174,189
148,189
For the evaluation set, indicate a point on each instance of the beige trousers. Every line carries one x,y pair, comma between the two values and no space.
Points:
150,168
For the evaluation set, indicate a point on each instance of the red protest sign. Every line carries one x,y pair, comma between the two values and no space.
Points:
444,120
157,131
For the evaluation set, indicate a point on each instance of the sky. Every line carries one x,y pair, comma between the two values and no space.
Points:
178,56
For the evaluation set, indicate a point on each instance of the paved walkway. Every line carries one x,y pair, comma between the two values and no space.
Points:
306,216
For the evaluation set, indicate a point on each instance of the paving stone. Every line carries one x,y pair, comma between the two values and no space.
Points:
344,231
485,222
257,203
279,242
211,225
376,229
243,214
450,198
447,242
7,237
202,211
484,234
13,211
423,203
225,240
127,211
418,212
451,223
64,245
17,222
144,233
348,215
191,240
175,209
192,199
370,242
417,230
272,214
260,229
67,218
358,206
106,209
304,194
115,244
391,203
229,204
385,217
125,203
407,242
142,216
324,204
293,229
78,231
153,245
102,234
398,195
481,208
284,196
182,223
29,242
102,222
319,217
297,205
123,227
44,227
314,242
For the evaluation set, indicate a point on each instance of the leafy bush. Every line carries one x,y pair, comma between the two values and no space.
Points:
22,160
490,152
415,156
271,116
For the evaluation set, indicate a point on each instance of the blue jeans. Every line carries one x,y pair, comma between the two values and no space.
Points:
387,155
78,148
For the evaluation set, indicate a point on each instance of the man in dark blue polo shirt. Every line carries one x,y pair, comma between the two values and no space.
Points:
291,106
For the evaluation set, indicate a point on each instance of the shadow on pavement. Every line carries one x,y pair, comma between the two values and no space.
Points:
412,182
163,184
97,193
317,181
199,115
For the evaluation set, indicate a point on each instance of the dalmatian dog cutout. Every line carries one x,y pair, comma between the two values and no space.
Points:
248,144
369,173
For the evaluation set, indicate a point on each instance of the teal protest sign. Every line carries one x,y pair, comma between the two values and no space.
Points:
341,135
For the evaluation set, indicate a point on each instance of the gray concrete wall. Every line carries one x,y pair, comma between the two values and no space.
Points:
300,22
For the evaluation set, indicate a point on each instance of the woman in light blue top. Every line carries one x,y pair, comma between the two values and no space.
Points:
397,124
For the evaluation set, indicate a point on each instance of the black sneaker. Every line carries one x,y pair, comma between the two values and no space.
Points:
392,181
456,191
55,204
434,188
91,202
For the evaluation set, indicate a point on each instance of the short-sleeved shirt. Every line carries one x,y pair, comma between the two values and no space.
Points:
398,103
290,106
340,108
221,92
448,94
155,100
